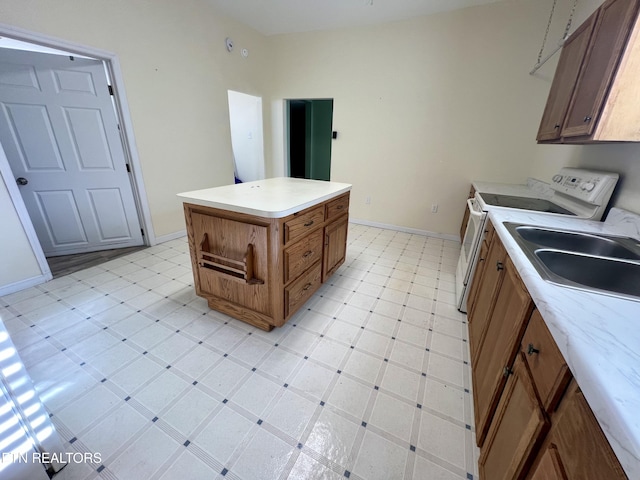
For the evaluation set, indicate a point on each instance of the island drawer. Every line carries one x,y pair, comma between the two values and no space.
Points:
301,223
301,255
338,206
296,294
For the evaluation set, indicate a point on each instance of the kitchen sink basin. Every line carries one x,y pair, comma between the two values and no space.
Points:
605,264
594,272
605,246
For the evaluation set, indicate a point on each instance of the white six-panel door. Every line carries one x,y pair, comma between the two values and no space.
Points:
59,130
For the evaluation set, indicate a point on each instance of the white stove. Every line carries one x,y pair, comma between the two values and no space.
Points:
572,191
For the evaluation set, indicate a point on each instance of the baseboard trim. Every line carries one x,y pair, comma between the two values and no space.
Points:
24,284
169,237
398,228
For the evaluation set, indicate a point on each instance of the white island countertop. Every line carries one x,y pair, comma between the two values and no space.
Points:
598,335
270,198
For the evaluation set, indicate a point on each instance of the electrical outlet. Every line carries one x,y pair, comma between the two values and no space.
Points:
367,201
434,208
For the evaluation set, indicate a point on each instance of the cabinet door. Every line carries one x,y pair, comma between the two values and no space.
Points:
605,49
550,466
517,428
564,81
548,368
501,343
222,244
486,286
335,246
583,450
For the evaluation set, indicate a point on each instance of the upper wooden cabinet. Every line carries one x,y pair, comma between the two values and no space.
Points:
593,97
564,81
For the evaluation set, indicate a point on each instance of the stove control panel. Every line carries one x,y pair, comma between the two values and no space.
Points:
590,186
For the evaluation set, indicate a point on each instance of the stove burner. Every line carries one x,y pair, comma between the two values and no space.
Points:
523,203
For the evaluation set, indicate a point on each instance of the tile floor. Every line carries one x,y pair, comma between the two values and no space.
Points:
369,381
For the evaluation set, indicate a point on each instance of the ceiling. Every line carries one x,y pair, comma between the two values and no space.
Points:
272,17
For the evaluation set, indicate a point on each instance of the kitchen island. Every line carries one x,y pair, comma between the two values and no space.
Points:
259,250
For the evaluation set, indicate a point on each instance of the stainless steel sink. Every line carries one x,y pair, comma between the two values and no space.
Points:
605,264
593,272
604,246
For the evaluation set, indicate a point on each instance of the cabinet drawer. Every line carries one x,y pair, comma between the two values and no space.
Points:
299,291
338,206
301,255
301,223
546,364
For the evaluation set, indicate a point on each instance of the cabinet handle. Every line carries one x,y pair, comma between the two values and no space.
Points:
308,224
506,371
499,266
307,254
340,207
307,287
481,260
556,126
587,119
531,349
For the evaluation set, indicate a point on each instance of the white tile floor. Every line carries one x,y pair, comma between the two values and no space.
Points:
369,381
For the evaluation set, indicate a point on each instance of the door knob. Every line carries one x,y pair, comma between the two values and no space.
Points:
21,181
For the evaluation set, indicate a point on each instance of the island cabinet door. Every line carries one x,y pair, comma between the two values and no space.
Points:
232,261
335,246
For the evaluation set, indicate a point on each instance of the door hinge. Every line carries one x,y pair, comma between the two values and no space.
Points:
110,90
128,168
142,231
71,58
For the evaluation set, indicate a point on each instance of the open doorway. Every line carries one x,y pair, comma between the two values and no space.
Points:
245,117
310,124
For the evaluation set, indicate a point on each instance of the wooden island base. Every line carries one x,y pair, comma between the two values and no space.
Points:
261,270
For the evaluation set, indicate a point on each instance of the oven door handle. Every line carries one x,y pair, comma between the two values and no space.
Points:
472,209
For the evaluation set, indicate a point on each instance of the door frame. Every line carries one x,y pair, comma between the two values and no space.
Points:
126,134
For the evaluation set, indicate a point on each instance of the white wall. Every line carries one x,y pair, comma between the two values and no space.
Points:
245,112
623,158
423,106
176,71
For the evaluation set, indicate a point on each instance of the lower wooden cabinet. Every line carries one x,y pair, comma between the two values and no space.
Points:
532,420
496,354
576,448
484,291
517,428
